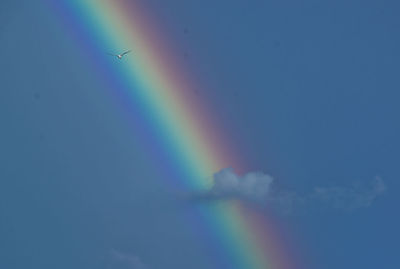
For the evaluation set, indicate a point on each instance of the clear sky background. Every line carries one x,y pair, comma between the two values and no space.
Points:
306,90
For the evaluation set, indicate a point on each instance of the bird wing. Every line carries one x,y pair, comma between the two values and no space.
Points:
126,52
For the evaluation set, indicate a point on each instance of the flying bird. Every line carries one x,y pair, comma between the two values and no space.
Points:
119,56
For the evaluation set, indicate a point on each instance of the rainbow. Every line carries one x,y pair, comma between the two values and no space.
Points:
196,148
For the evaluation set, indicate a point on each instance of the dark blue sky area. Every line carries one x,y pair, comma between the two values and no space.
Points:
306,90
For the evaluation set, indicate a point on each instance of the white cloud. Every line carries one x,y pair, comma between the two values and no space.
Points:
261,190
252,186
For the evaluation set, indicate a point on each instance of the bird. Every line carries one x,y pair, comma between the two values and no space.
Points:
119,56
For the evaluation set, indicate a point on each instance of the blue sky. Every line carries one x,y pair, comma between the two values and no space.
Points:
307,91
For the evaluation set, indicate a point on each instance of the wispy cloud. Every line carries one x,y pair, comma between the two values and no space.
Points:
350,198
261,189
119,260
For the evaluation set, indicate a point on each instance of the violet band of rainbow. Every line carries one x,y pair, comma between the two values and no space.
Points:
152,76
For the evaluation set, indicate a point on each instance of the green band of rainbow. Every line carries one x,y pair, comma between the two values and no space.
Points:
154,78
